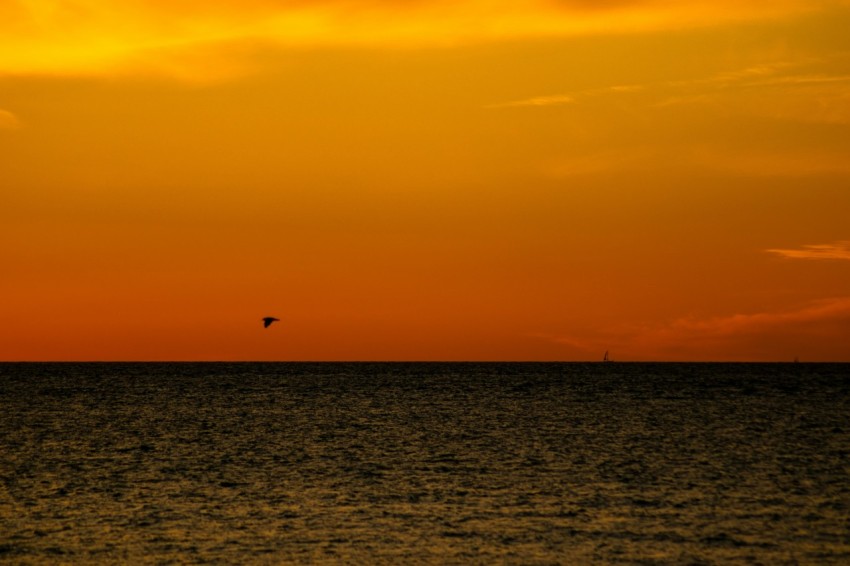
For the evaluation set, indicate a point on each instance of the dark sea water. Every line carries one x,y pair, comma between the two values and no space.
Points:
425,463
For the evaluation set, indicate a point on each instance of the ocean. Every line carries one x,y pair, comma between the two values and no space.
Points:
424,463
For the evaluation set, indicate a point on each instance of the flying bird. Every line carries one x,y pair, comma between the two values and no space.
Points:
267,321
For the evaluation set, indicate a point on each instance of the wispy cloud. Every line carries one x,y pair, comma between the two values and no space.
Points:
662,88
555,100
743,162
8,121
814,331
760,163
803,80
803,90
745,74
102,36
807,89
738,324
568,98
838,250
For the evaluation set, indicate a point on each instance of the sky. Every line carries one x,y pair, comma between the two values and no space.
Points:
425,180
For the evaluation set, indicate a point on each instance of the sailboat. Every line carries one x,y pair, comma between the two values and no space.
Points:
605,359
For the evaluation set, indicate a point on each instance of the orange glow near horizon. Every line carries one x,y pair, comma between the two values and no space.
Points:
441,181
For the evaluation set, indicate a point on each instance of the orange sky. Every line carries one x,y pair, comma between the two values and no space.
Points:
428,180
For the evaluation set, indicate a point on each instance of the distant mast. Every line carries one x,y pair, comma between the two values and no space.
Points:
605,359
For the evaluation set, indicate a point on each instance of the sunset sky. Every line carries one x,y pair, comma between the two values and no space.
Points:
425,180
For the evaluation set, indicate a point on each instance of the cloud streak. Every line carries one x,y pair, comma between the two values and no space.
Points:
99,36
807,90
556,100
811,331
835,251
764,322
569,98
781,89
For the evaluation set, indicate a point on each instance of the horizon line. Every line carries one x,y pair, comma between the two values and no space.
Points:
423,362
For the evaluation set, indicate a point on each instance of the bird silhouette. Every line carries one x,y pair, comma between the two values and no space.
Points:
267,321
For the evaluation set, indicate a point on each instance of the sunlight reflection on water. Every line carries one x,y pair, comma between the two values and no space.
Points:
447,463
